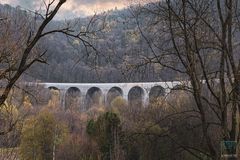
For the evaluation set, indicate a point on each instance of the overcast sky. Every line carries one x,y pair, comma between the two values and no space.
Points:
73,8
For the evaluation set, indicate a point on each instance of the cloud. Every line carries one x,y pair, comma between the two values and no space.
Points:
90,2
29,4
81,8
72,8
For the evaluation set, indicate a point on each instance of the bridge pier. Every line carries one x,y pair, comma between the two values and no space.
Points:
62,98
146,100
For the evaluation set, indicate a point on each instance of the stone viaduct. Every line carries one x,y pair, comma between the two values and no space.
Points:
126,90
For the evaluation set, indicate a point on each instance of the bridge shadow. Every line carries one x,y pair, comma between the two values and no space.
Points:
156,94
73,99
136,97
94,98
113,93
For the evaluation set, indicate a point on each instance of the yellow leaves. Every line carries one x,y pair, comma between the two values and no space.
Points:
108,27
157,102
133,36
9,112
157,67
155,129
40,134
76,42
118,105
95,111
55,92
27,103
119,102
9,119
54,102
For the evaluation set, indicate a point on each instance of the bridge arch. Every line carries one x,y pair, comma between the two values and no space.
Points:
156,93
94,97
136,96
53,88
55,97
112,94
73,98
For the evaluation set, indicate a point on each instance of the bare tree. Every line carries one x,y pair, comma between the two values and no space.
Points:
20,42
199,40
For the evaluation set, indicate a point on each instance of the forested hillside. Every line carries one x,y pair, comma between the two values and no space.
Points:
118,46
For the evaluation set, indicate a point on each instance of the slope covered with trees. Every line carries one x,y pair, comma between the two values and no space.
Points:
118,46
